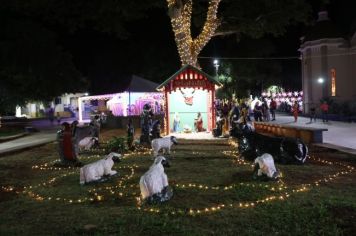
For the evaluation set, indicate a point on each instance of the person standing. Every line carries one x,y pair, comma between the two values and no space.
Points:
324,107
198,123
257,112
312,114
51,115
244,114
58,118
295,111
234,115
272,108
176,123
265,111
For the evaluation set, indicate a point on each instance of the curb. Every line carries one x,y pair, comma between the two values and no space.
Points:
336,147
12,137
23,148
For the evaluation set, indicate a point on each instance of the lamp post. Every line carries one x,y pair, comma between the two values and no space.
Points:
321,81
216,65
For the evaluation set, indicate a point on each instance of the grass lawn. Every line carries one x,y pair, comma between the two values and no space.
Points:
219,196
4,132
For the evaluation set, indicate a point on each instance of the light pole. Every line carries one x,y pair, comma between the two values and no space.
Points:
321,81
216,65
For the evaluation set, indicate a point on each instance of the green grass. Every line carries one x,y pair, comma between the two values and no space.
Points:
4,132
328,209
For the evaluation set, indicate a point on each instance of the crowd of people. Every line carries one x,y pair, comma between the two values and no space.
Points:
230,113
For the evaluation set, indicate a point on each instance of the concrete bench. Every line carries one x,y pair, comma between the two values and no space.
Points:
307,134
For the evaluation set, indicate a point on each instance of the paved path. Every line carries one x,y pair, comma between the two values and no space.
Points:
340,135
47,134
31,140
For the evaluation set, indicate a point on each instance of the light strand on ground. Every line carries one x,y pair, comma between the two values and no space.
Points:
280,192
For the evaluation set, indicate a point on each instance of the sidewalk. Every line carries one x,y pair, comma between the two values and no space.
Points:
47,133
340,135
31,140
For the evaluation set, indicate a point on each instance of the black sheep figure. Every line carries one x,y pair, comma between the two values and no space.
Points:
283,150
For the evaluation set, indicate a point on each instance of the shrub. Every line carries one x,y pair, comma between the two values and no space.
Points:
117,144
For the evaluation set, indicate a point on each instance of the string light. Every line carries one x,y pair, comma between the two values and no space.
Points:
189,48
29,190
279,191
284,191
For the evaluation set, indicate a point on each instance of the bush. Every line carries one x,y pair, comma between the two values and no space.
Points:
352,106
117,144
336,108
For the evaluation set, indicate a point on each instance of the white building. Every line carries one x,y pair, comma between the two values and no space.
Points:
328,63
66,105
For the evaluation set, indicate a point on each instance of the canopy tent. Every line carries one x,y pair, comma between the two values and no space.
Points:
139,84
128,101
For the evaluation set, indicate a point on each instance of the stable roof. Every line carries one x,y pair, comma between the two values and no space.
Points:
185,68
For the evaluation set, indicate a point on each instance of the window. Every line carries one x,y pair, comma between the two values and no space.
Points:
57,100
333,82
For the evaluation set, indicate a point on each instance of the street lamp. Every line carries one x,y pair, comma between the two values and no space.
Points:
321,82
216,65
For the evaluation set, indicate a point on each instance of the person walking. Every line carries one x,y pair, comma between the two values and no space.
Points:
295,111
272,108
324,107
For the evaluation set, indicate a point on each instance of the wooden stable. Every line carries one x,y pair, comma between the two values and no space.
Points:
188,92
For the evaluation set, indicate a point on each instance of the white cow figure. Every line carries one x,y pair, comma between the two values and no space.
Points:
94,171
164,143
154,180
87,143
266,166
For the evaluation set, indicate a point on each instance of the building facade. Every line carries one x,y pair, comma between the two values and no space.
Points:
328,64
65,105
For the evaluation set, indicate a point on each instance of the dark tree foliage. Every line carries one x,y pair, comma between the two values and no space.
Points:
259,17
35,64
109,16
32,65
248,76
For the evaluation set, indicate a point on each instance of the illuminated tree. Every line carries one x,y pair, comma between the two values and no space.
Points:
180,12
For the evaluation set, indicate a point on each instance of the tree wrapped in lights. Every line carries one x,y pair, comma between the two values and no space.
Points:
180,12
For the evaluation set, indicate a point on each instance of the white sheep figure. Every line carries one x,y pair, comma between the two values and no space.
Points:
266,166
154,180
94,171
87,143
164,143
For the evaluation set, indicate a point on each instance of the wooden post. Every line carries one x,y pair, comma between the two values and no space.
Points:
166,118
213,107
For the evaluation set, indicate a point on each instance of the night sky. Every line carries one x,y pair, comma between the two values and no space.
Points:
149,49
